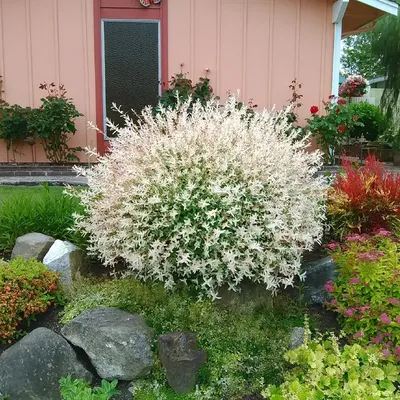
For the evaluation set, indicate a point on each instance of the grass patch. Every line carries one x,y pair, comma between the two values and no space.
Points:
11,192
42,209
245,340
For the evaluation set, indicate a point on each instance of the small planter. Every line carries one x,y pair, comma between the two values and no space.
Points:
30,140
358,99
396,158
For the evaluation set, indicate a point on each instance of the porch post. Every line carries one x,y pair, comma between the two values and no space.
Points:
338,11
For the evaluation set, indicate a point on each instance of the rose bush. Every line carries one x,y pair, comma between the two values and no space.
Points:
210,195
331,130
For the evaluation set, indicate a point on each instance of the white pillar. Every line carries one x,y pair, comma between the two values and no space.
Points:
338,11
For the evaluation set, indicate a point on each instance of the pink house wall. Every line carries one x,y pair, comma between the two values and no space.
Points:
255,46
48,40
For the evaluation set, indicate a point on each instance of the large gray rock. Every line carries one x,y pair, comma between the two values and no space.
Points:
318,273
117,343
182,360
32,367
297,338
32,245
66,259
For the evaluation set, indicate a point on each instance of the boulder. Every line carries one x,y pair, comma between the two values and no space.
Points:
33,245
117,343
297,338
318,273
31,368
182,360
66,259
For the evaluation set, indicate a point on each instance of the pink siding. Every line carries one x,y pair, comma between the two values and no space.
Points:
48,40
255,46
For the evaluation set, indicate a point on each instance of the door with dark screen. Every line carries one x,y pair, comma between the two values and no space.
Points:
131,67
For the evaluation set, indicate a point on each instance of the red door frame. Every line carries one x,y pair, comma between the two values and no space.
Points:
124,9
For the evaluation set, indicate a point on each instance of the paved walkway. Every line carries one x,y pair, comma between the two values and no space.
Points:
37,180
82,181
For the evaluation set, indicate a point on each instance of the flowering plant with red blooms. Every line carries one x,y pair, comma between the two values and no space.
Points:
353,86
366,294
332,128
362,198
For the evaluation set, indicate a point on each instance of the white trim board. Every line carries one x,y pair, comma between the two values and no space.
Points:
387,6
338,11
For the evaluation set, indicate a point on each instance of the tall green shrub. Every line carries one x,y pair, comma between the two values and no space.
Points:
375,122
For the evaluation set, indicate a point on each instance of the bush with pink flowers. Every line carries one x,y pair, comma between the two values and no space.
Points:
366,293
353,86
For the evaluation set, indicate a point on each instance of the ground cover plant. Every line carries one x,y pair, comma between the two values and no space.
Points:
42,209
27,288
363,198
322,369
366,294
78,389
207,194
244,340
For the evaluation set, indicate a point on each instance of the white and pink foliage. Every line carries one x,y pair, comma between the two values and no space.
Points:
211,197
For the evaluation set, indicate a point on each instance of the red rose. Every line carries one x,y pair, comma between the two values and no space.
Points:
314,109
338,110
332,96
341,102
341,128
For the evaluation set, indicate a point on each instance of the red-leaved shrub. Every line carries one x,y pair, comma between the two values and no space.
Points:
364,198
27,288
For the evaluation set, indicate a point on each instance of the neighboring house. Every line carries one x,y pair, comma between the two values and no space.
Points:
376,88
119,51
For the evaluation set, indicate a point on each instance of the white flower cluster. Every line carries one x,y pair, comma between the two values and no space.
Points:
211,196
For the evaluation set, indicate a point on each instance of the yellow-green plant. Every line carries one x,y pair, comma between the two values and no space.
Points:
324,371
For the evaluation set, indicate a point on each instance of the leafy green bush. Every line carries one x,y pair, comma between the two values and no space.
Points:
49,212
78,389
13,123
244,340
53,122
324,371
374,120
27,288
367,290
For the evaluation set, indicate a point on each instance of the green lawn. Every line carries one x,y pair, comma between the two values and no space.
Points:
43,209
9,192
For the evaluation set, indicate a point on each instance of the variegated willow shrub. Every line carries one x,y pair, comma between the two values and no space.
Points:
207,195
